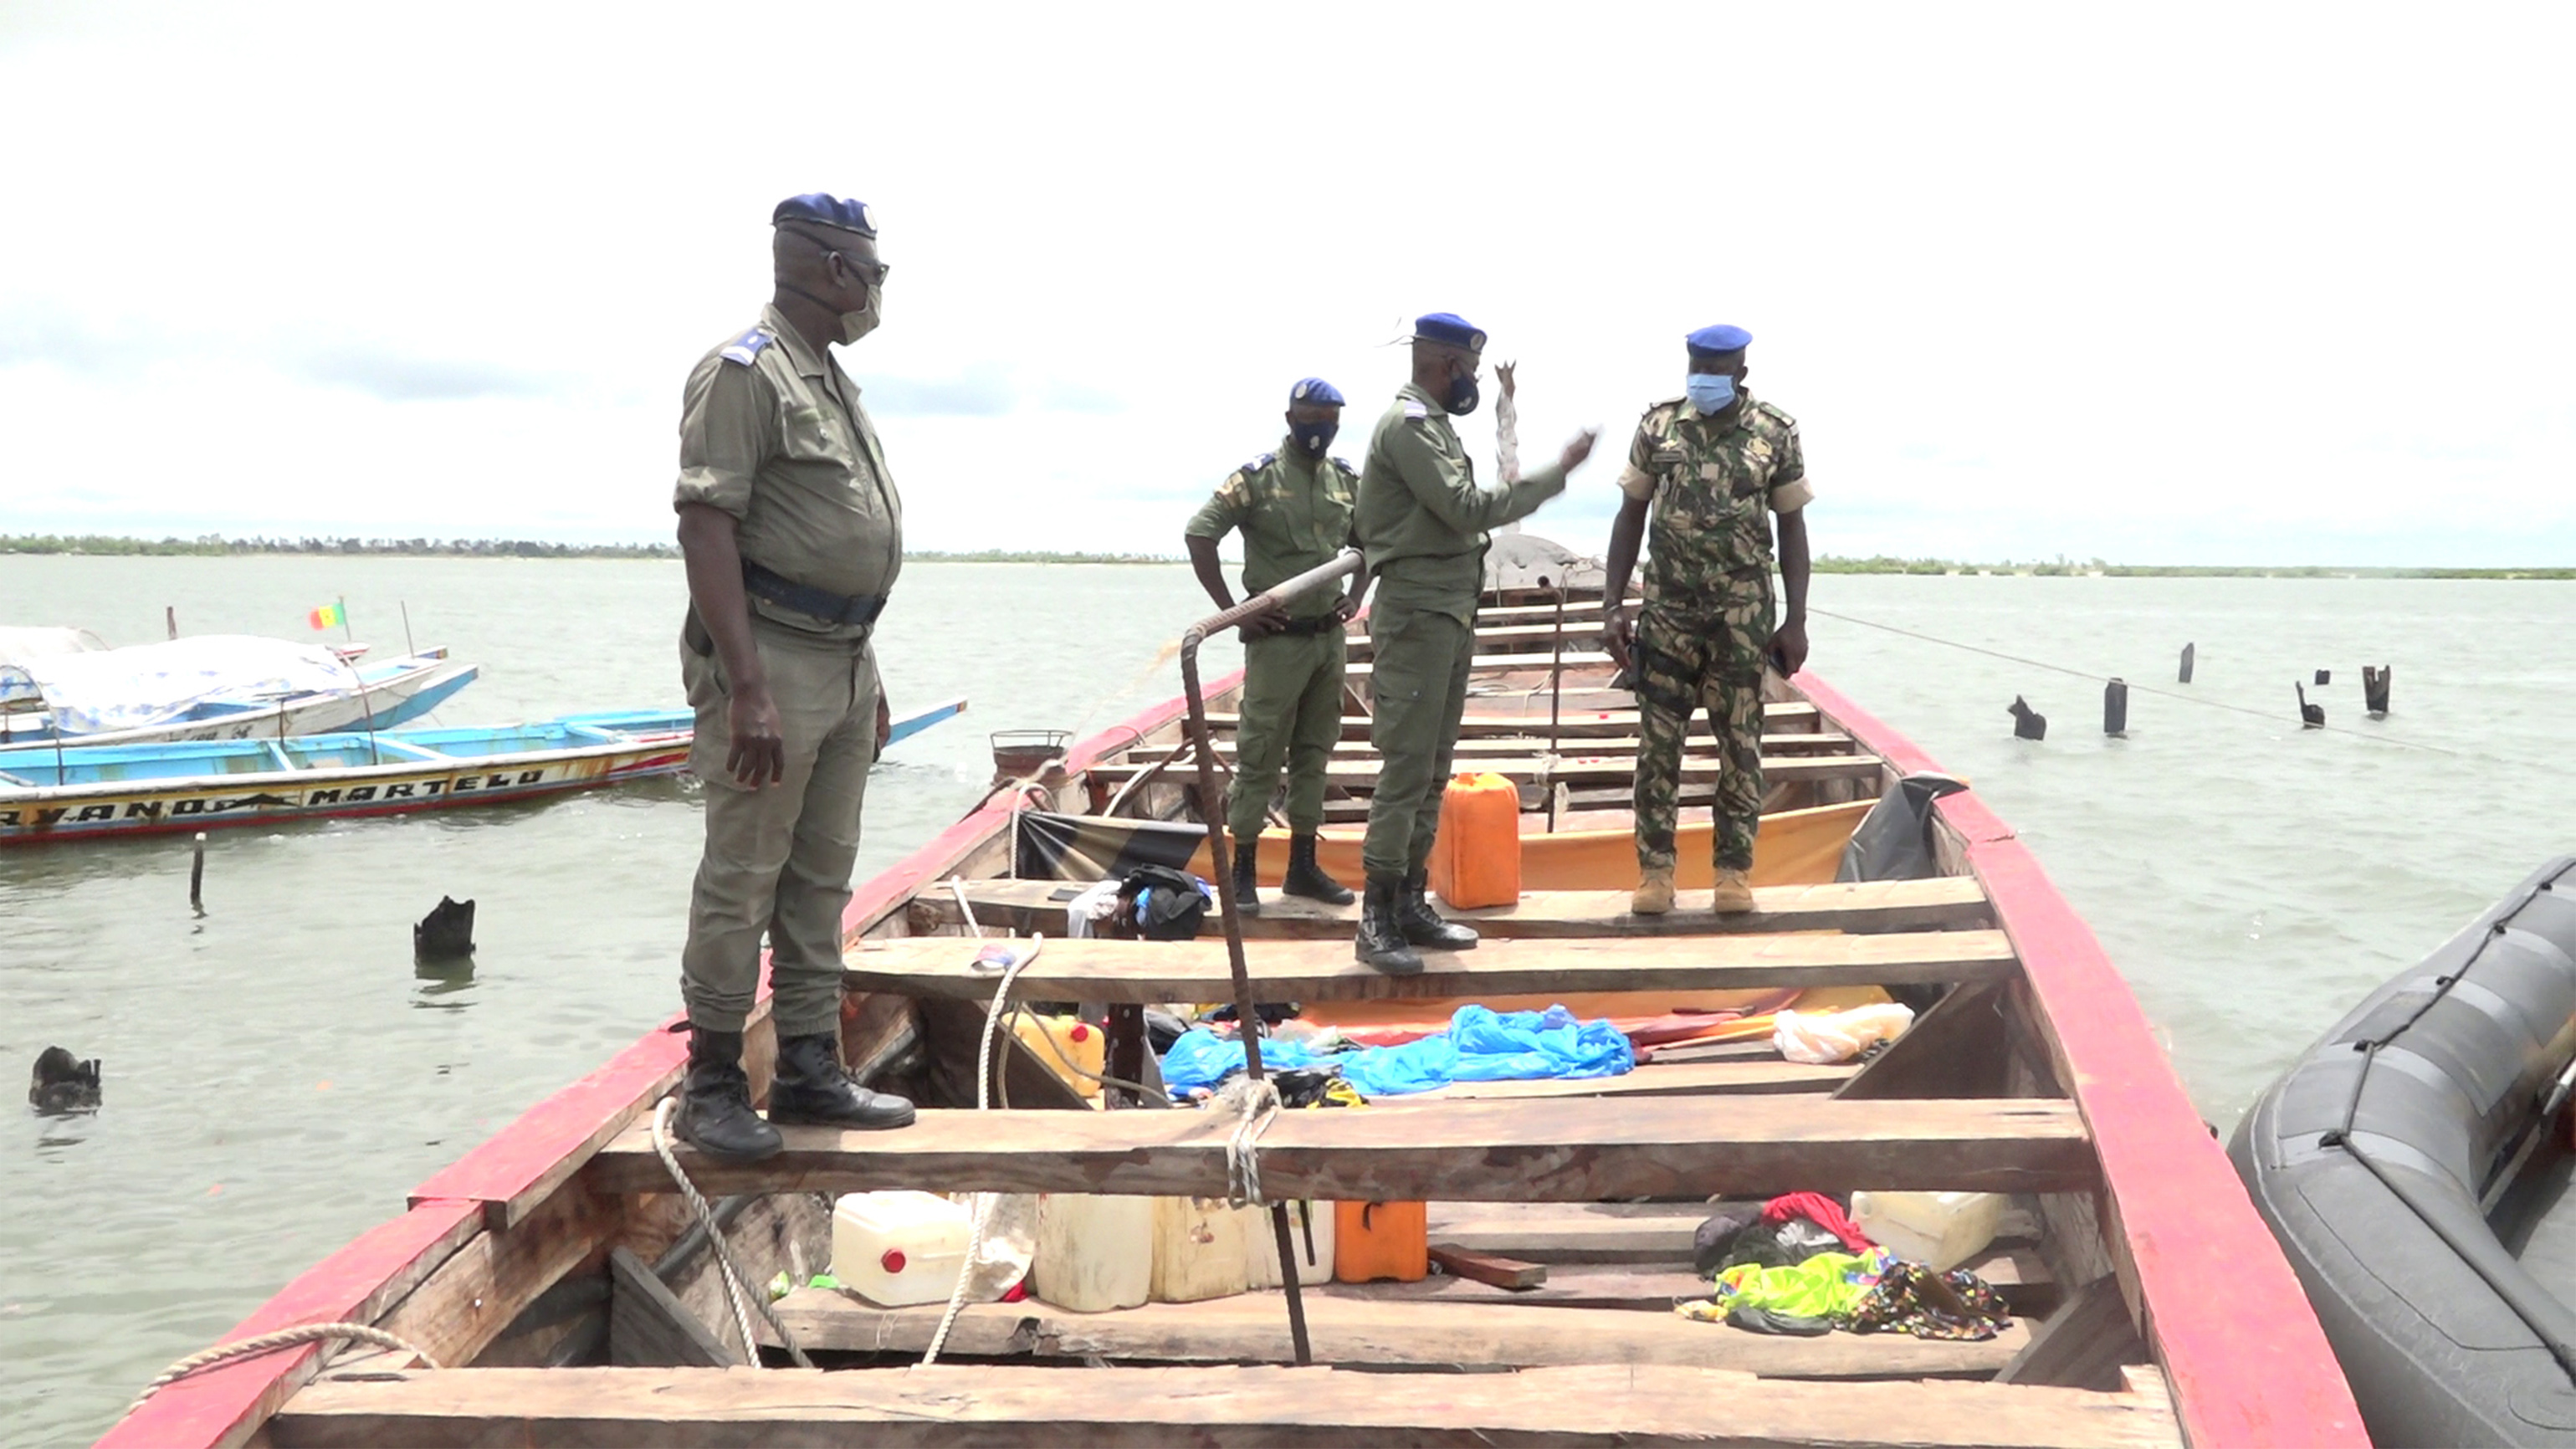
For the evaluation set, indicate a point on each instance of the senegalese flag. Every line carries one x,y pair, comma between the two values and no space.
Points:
329,616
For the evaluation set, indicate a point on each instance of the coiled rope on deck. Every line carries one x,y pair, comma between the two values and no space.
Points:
258,1344
735,1294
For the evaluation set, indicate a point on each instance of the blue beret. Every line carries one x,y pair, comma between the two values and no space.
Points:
1720,338
828,210
1316,391
1448,328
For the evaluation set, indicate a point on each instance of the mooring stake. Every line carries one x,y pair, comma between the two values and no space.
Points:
2186,664
197,875
2324,678
2374,690
2115,708
2028,723
2311,716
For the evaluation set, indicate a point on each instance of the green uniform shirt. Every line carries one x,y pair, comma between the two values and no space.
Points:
772,432
1715,482
1295,513
1422,519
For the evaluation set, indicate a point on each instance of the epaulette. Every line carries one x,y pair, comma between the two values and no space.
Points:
1415,410
1257,464
1777,416
746,348
1667,408
1345,465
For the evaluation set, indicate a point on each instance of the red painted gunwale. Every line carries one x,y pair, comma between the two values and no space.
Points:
2241,1350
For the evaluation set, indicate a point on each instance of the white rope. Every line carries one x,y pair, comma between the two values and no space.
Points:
735,1294
1255,1105
270,1343
965,907
985,1202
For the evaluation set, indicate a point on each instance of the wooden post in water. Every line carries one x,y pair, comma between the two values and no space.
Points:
170,618
2374,690
197,875
2115,708
2186,664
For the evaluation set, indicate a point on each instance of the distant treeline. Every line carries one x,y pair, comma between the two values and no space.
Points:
1003,555
213,545
2065,567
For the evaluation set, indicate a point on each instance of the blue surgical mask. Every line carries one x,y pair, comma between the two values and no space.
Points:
1710,392
1312,438
1462,394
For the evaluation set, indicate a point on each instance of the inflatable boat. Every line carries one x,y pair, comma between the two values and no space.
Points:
2415,1165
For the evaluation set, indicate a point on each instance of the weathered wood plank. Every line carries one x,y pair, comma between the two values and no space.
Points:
1572,723
1156,971
982,1404
1866,907
1253,1328
459,1310
1493,1268
1660,1079
1531,739
1958,1048
1578,1150
648,1326
2084,1344
1360,775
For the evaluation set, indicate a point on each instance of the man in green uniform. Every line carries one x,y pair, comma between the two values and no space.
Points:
1422,523
1294,508
1715,467
793,534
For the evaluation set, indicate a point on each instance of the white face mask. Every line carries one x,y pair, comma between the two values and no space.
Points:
855,325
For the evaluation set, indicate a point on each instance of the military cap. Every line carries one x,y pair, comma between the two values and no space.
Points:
1316,391
1720,338
825,209
1448,329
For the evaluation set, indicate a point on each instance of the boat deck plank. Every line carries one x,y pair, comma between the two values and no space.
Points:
1315,970
1572,723
1346,1328
1229,1405
1864,907
1576,1150
1531,740
1360,775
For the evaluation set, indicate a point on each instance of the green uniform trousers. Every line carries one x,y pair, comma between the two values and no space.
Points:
1291,713
1703,655
1417,692
778,858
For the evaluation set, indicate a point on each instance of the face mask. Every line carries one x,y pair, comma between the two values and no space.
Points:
1462,394
1313,438
1710,392
855,325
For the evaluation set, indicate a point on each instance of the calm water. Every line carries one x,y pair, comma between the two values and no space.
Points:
277,1075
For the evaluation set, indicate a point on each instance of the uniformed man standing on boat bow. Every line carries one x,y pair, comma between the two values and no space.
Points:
793,536
1294,509
1715,467
1422,522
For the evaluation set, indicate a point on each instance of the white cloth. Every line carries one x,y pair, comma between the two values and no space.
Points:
151,684
1819,1038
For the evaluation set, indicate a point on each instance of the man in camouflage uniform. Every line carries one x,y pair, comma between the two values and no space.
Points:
1294,508
792,534
1422,522
1716,467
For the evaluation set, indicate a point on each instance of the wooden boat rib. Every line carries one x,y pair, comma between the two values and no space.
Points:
2151,1305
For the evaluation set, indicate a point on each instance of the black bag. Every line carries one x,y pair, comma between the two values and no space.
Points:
1167,904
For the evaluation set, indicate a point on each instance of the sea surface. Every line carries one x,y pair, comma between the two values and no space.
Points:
278,1074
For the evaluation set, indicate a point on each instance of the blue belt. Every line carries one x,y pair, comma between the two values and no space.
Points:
831,608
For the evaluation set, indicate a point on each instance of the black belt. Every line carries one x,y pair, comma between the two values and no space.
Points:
831,608
1321,623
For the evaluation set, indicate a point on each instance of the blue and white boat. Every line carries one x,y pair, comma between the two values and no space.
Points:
214,687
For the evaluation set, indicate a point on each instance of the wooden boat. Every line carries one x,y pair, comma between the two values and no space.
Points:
2415,1163
568,1289
376,696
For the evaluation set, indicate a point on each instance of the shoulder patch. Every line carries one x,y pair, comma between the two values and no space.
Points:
745,350
1257,464
1775,414
1414,409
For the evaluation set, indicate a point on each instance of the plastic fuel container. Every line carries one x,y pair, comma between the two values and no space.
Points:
1476,857
1373,1240
1094,1253
1941,1229
899,1248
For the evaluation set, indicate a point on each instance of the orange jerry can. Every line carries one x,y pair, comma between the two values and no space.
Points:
1476,858
1374,1240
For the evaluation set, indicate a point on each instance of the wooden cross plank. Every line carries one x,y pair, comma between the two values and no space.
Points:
1347,1329
1360,775
1532,741
1158,971
1219,1406
1585,723
1578,1150
1862,907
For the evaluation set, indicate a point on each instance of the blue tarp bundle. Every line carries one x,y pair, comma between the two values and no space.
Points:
1481,1045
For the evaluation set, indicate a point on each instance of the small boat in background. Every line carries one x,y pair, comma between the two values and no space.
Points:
2415,1165
919,720
210,687
63,791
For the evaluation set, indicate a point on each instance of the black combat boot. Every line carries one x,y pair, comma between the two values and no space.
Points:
1424,926
1381,942
1305,878
811,1089
1247,876
715,1114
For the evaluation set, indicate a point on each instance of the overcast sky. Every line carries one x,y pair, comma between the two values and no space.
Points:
2158,284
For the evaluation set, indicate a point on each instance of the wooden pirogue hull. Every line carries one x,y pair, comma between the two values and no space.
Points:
2151,1306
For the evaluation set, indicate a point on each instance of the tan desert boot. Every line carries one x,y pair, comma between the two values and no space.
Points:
1654,894
1734,892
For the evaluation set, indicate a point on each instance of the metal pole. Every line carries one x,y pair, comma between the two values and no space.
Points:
197,875
408,646
1555,692
1247,1020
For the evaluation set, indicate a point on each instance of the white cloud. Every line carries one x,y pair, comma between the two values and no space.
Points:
2198,284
